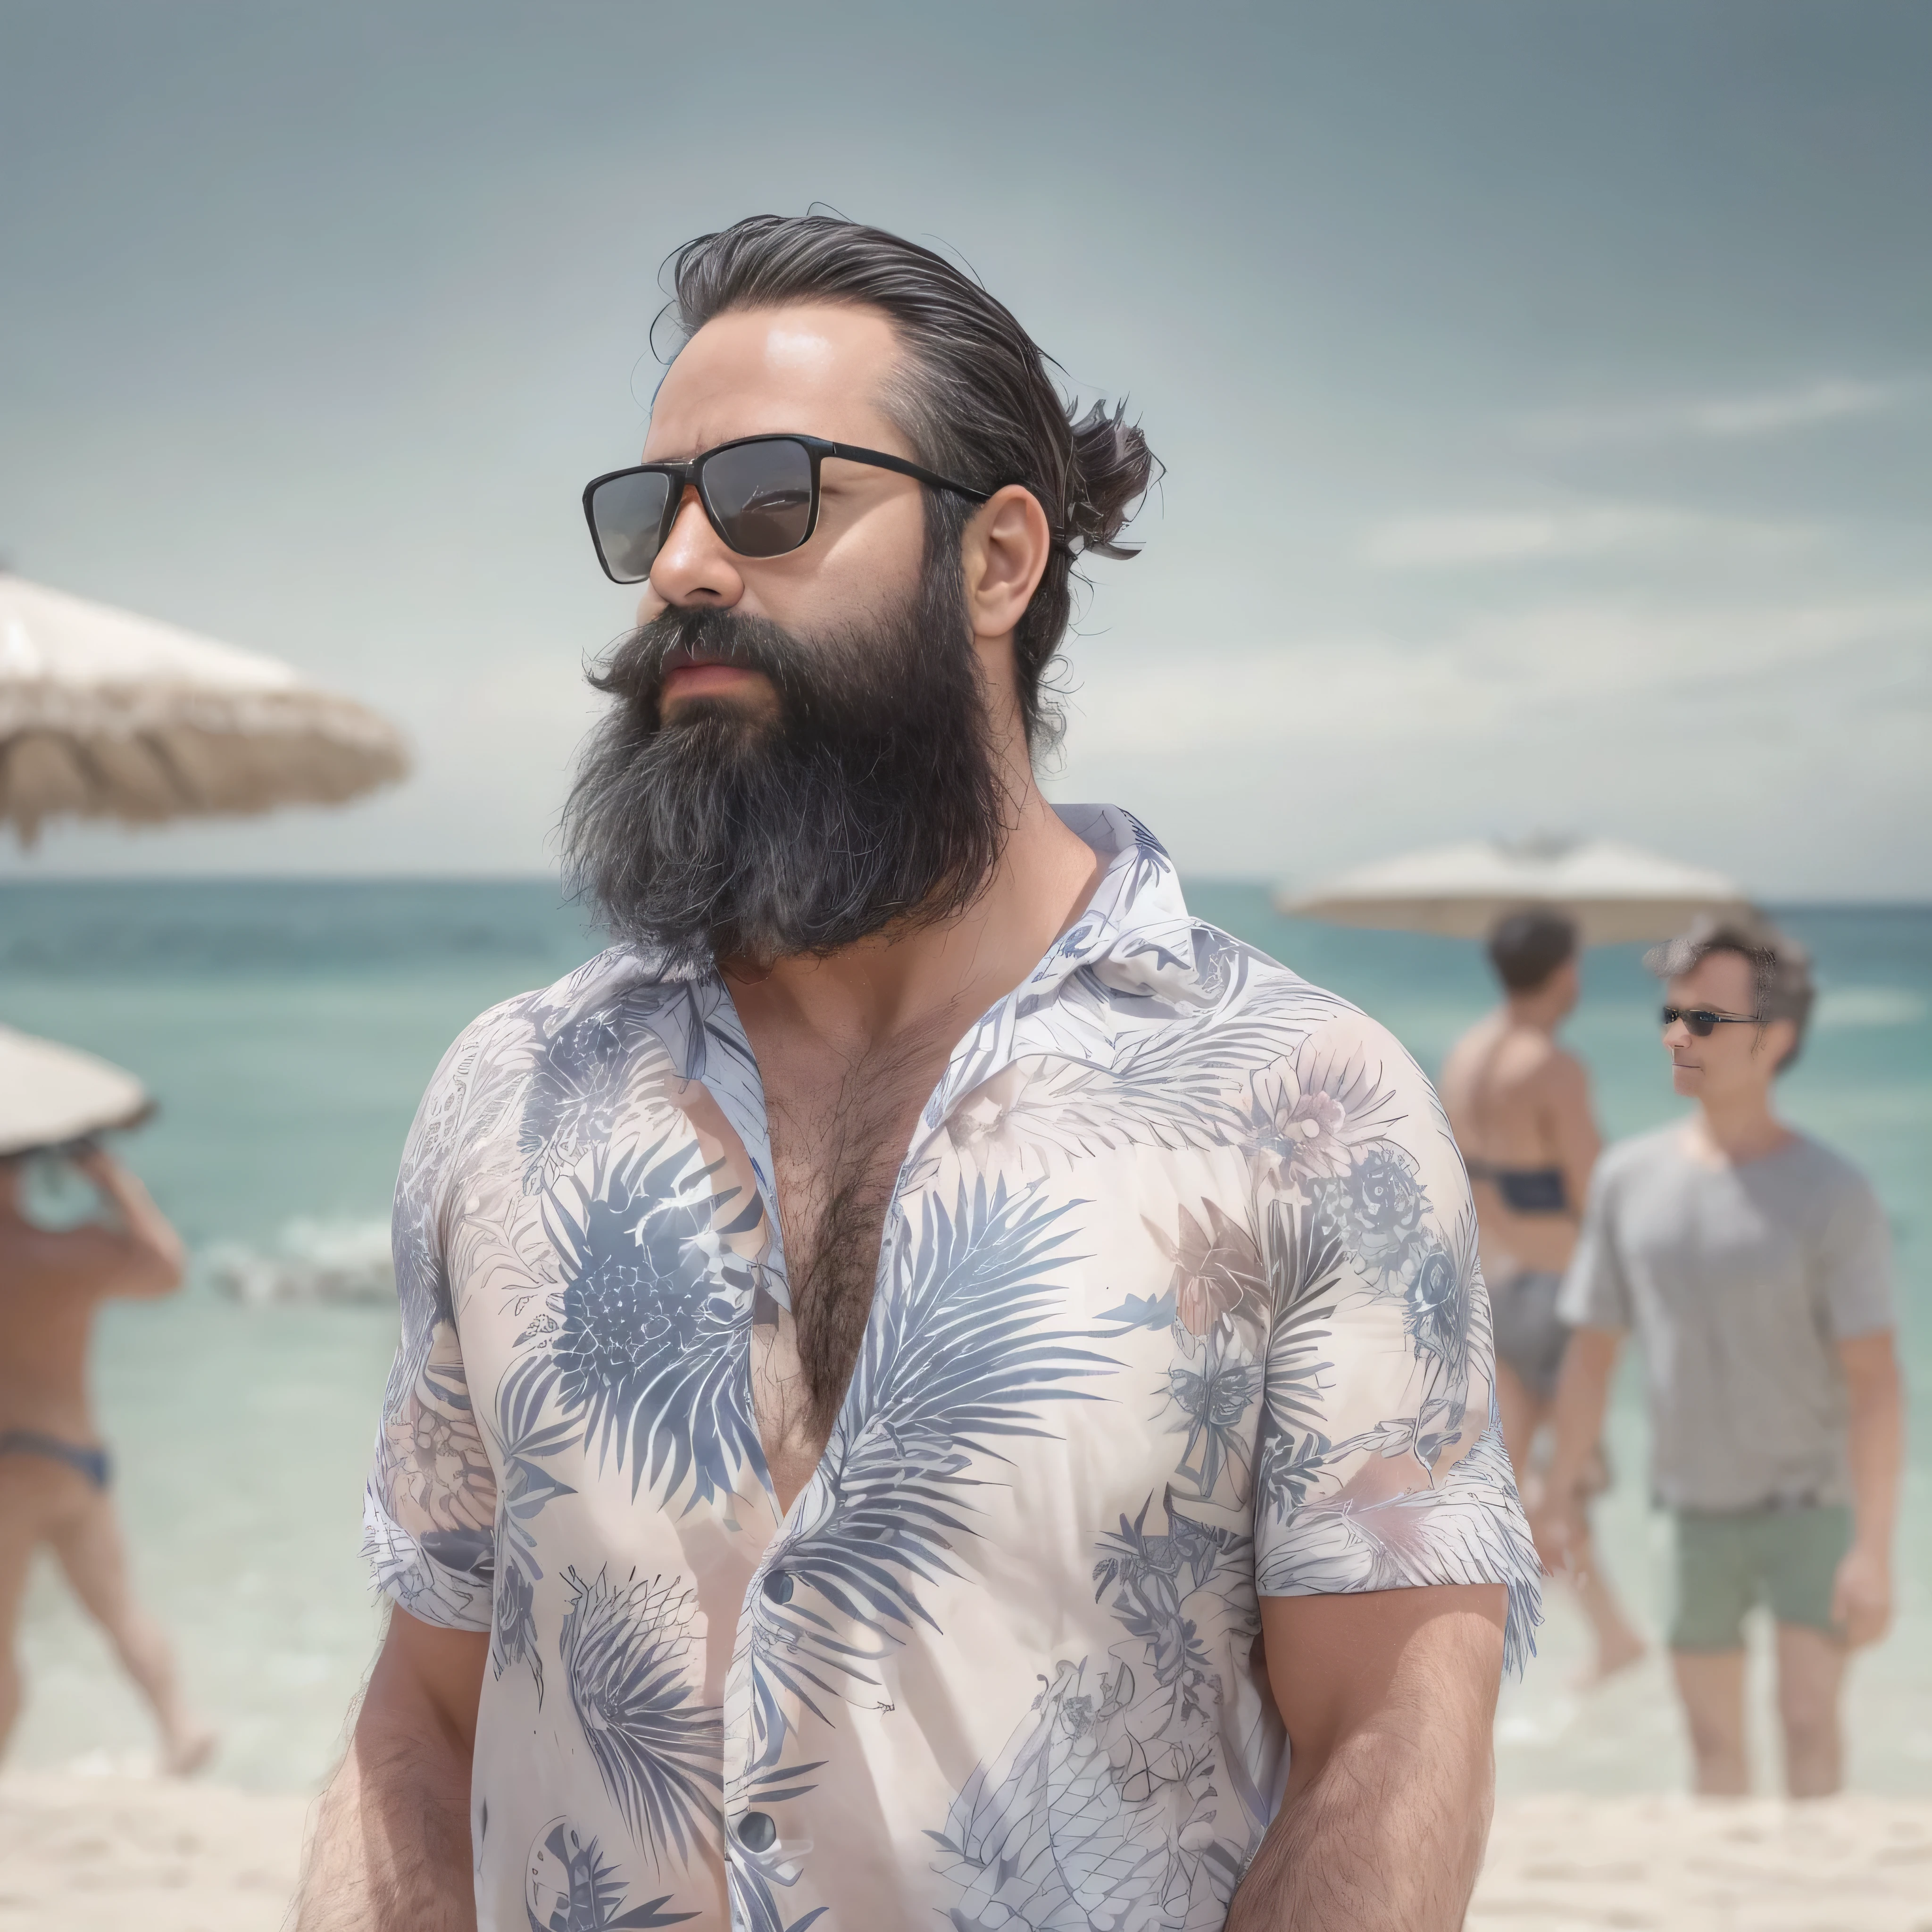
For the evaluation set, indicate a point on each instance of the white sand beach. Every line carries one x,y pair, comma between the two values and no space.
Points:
107,1854
1569,1864
116,1854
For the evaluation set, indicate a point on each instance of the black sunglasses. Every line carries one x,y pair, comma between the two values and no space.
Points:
759,492
1703,1022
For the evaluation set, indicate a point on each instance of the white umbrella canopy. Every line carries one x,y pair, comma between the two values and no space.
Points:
105,715
51,1094
1616,893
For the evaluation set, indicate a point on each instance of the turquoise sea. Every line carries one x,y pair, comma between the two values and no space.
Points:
288,1028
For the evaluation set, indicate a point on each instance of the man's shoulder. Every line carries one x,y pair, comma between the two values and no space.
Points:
1653,1155
1331,1040
479,1051
1249,988
1829,1176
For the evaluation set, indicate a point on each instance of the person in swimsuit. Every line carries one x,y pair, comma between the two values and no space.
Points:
1519,1106
54,1472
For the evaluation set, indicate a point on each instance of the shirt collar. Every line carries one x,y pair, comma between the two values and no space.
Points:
1136,902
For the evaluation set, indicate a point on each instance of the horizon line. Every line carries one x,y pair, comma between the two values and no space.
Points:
1257,881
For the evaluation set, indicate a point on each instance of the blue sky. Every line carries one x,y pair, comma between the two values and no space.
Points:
1545,388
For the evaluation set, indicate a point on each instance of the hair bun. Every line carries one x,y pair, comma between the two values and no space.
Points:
1112,469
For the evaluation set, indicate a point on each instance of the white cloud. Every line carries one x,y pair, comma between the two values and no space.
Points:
1781,741
1769,412
1496,673
1469,539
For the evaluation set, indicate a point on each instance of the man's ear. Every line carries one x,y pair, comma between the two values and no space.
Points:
1004,555
1776,1040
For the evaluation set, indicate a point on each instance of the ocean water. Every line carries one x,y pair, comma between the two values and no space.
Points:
288,1029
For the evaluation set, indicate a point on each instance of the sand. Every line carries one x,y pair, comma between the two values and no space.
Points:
144,1855
116,1854
1564,1864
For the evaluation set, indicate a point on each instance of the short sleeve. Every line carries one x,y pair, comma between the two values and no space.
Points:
1595,1292
1380,1462
429,1510
1855,1264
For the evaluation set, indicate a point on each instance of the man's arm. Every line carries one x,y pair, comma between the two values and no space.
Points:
392,1850
1861,1595
1583,1395
1389,1698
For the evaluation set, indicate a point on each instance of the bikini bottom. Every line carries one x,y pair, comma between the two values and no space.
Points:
85,1458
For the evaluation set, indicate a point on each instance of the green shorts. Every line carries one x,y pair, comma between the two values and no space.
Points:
1728,1562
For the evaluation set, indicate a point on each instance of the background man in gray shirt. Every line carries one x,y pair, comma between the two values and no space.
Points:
1754,1265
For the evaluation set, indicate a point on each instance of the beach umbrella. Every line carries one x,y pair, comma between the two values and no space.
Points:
105,715
1616,893
51,1094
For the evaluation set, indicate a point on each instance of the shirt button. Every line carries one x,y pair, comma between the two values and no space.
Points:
779,1585
756,1830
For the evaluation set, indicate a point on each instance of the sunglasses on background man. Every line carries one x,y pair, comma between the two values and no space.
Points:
1703,1022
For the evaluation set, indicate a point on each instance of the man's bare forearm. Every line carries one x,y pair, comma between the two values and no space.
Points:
1582,1395
1389,1700
391,1851
1387,1838
1875,1451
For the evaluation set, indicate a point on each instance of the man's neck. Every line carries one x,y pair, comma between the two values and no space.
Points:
1537,1012
950,973
1740,1127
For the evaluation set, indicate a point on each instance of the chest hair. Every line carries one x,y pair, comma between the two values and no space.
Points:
837,1143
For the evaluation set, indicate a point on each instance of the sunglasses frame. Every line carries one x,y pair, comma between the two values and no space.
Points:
690,475
1689,1015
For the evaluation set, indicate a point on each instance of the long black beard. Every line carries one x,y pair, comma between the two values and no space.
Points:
871,798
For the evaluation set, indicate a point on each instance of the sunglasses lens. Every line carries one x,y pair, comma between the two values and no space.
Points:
761,492
1702,1024
628,515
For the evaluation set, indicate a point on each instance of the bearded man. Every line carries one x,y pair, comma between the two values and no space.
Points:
934,1387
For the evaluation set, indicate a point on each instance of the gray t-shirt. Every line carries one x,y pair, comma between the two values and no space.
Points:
1740,1282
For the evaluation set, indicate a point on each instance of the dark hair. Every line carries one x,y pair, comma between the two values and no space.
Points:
1781,968
1526,947
974,398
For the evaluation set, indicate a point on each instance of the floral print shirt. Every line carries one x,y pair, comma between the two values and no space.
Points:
1177,1306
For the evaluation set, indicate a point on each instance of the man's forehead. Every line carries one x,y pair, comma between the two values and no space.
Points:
1729,970
816,368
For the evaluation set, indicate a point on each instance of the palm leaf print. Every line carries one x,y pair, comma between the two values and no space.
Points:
524,1441
649,1347
955,1358
1307,1263
570,1886
1184,1086
626,1649
579,1086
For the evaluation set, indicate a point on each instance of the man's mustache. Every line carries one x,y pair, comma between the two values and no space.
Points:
703,634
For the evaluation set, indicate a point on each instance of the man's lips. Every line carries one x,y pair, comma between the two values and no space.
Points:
687,674
682,657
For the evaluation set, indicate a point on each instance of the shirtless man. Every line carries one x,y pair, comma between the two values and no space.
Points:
1519,1105
53,1471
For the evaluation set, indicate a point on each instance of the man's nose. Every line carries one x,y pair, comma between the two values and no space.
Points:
695,567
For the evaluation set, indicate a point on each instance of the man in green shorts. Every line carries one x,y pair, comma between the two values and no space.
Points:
1754,1265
